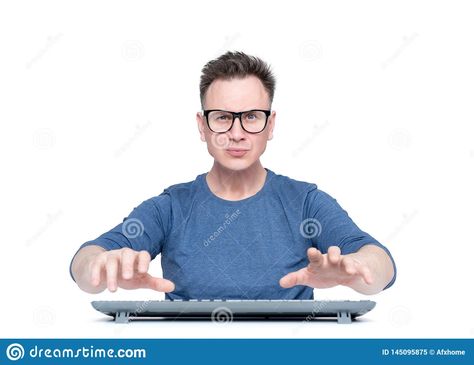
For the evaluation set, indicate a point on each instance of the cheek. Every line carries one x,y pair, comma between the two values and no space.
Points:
258,146
217,143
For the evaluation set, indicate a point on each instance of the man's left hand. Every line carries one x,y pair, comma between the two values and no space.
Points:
328,270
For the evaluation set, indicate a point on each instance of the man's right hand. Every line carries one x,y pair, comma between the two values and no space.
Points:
96,269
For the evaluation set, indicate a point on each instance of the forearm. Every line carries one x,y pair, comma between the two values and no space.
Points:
380,266
81,269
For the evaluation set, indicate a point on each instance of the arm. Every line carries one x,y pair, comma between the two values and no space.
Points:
367,271
121,256
342,254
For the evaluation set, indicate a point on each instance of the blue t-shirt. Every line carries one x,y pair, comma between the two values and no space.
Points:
212,248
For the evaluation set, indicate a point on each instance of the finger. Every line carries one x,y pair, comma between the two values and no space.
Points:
363,271
143,262
96,270
128,262
112,268
367,275
315,256
348,265
334,254
293,278
159,284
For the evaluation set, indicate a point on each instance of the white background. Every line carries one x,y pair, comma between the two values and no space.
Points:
374,104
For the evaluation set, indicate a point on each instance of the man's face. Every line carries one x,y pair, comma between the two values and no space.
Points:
236,95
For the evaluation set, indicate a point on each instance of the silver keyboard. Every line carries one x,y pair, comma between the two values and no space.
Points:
229,309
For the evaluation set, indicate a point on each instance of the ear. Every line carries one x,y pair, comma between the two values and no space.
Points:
271,125
201,125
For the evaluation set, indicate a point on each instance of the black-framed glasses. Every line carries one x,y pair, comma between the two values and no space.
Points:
252,121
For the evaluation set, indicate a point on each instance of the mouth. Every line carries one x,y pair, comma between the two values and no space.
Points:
236,152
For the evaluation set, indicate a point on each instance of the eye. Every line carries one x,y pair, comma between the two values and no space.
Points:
220,117
254,116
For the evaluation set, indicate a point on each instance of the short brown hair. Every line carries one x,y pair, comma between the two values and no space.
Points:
239,65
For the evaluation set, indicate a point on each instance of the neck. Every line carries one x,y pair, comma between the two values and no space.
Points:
236,185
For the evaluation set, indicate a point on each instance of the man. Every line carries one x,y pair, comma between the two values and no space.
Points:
240,231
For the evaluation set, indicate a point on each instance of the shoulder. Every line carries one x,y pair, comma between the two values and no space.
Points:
295,191
287,185
180,192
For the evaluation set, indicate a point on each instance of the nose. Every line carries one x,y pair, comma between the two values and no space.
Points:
237,132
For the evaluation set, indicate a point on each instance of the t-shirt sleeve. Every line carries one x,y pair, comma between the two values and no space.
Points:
326,223
145,228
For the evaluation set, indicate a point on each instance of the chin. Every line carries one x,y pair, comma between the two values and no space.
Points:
236,164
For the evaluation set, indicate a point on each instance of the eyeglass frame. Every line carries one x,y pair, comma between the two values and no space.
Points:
205,113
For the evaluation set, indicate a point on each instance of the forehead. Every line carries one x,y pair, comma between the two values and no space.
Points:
237,94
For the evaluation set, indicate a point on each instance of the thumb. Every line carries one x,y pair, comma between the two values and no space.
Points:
292,279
